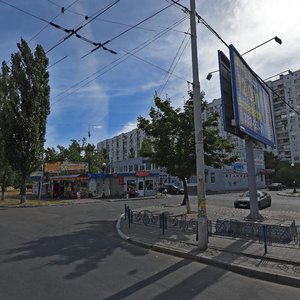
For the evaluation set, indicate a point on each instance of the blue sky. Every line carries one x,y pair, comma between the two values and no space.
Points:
106,95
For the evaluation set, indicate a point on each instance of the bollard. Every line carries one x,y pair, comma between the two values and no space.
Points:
197,234
265,238
125,211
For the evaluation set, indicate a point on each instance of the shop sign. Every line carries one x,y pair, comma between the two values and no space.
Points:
142,173
52,167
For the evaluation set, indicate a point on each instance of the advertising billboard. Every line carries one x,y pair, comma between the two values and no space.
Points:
251,101
226,95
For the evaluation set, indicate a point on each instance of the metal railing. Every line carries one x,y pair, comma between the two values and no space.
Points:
261,233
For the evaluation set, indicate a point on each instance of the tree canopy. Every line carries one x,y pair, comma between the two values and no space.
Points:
78,151
170,132
24,109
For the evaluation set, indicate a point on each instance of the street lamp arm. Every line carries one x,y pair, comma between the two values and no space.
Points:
276,38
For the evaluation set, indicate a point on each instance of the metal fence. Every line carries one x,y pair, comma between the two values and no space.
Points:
267,234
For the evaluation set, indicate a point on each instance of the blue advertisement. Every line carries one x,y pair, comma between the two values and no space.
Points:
251,101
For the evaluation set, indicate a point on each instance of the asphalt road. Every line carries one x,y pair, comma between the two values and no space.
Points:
73,252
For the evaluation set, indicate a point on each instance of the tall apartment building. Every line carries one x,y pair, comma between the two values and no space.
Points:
124,146
287,122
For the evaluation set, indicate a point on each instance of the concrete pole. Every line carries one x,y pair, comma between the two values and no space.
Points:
254,213
202,218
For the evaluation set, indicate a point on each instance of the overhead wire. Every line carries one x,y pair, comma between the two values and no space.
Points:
174,63
79,27
99,19
69,31
77,86
201,20
127,30
41,30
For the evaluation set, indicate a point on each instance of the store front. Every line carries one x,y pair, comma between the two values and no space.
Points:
69,186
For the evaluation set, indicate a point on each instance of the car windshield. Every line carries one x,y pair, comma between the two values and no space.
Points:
247,194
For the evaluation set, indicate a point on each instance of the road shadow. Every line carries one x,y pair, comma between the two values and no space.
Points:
190,286
84,248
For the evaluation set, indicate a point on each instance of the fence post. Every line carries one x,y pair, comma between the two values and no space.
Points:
163,223
131,216
128,211
265,238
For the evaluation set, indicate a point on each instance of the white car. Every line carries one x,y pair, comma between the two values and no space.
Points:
263,198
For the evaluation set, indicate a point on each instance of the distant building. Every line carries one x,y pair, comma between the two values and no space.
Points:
124,146
232,177
287,122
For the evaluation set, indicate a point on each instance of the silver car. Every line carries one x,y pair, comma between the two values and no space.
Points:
263,198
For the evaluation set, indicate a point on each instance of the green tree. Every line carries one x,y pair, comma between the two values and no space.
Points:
78,151
131,153
146,148
173,141
26,110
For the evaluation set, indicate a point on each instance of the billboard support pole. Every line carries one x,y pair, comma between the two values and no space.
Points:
202,218
254,213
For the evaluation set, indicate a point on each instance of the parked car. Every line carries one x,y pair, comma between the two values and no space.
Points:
171,189
263,198
276,186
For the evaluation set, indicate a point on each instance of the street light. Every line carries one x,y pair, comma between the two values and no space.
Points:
277,40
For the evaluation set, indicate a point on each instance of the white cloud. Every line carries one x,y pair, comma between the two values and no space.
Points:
127,127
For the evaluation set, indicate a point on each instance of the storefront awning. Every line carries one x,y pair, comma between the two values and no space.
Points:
71,177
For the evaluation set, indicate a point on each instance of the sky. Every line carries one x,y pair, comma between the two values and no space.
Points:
104,93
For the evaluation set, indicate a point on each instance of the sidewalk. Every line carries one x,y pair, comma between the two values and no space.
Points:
281,263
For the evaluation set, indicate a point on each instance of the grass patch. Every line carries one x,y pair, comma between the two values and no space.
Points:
12,199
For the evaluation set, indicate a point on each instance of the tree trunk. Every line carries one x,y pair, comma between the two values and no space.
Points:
3,186
186,200
23,189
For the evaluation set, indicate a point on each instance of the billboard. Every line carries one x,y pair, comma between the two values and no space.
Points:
226,95
251,101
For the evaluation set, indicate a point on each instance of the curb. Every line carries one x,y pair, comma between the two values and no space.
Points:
235,268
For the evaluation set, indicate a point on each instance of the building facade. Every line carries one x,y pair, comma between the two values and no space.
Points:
122,147
287,121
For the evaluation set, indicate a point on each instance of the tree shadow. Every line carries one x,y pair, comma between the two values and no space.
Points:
188,288
84,248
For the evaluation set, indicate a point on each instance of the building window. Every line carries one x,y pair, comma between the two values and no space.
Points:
141,185
212,178
149,185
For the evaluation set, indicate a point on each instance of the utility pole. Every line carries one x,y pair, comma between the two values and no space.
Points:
200,166
254,213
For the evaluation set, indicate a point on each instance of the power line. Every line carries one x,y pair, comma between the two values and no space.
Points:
57,62
79,27
174,63
99,19
24,11
127,30
69,31
116,62
200,19
39,32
